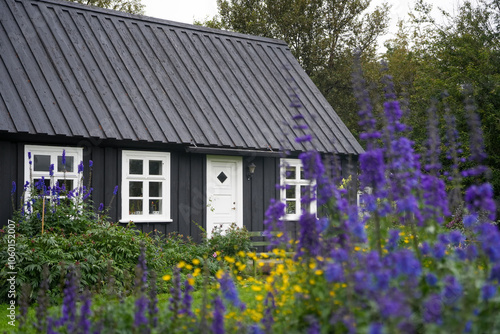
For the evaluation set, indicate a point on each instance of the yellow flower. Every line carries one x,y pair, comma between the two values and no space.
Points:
219,274
196,272
259,297
320,258
318,272
196,262
242,253
357,248
167,277
297,288
181,264
312,265
256,288
190,281
189,267
229,259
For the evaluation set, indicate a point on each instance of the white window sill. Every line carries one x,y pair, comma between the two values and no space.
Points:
143,220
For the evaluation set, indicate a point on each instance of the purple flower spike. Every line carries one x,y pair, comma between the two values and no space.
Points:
85,313
488,291
51,170
69,301
115,191
64,157
13,191
187,299
218,317
303,139
452,290
141,305
229,291
432,309
91,163
80,167
101,207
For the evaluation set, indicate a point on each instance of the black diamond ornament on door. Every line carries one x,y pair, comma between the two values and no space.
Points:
222,177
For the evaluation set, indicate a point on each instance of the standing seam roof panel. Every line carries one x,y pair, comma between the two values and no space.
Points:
86,71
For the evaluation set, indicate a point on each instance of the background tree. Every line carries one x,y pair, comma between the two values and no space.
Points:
322,35
128,6
430,58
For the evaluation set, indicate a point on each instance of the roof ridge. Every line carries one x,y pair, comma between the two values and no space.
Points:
145,18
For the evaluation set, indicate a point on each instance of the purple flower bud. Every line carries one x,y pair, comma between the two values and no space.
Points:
432,309
115,191
91,163
218,317
452,290
80,167
51,170
101,207
431,279
488,291
302,139
13,191
64,158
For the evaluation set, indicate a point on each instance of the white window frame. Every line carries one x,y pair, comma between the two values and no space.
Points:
298,183
54,151
165,176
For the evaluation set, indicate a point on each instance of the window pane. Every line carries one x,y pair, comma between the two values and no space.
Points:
290,173
155,189
135,167
290,192
135,206
155,167
69,167
302,173
66,185
135,189
155,207
41,163
291,207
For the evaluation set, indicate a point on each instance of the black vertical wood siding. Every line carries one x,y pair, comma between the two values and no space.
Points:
9,163
188,186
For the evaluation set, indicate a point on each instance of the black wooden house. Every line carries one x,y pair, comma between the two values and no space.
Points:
176,115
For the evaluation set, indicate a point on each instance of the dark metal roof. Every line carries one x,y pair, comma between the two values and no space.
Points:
73,70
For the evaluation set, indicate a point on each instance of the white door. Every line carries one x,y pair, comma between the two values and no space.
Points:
224,192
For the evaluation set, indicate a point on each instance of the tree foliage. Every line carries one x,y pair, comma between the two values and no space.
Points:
321,34
128,6
430,58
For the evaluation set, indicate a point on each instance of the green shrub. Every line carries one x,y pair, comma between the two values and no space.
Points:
73,234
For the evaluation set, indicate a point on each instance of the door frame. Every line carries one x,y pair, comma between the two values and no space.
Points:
238,189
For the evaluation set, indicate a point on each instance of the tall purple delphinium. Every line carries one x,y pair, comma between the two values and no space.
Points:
187,299
175,301
85,313
68,317
142,270
229,291
141,305
434,192
273,222
153,302
268,319
43,301
218,316
372,163
478,197
403,164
